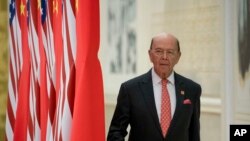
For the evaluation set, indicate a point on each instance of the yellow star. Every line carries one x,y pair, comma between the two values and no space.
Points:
22,8
39,4
55,6
76,5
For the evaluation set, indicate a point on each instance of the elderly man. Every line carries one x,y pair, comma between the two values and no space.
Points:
159,105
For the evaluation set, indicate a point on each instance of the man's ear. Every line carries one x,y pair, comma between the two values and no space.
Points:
150,55
179,56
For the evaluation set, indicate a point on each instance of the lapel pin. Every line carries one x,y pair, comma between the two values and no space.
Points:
182,92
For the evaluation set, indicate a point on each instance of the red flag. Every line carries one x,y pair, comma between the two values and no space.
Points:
88,119
57,30
65,102
36,70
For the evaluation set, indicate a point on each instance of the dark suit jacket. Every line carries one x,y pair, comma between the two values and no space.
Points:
136,107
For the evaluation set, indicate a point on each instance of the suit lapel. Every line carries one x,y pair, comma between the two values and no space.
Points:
148,94
179,86
147,88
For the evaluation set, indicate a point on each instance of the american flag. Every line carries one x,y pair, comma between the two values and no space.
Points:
52,88
19,76
14,68
48,64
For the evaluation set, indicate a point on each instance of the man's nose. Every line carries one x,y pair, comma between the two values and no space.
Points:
165,55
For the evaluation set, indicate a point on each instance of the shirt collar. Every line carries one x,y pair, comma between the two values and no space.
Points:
157,79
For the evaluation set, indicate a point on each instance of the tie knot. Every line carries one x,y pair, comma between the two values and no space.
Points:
164,82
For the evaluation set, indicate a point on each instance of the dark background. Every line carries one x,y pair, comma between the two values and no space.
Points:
245,137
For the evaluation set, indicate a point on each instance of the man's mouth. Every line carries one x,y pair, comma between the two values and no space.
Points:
164,64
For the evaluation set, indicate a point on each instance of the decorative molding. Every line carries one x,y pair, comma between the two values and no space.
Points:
211,105
242,118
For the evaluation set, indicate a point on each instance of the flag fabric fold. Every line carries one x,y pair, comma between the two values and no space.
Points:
55,87
88,105
19,76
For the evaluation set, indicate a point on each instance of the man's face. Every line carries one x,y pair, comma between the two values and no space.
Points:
164,54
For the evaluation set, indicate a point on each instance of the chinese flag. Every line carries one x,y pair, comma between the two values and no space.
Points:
88,116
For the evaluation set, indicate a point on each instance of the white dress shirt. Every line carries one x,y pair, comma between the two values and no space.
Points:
157,92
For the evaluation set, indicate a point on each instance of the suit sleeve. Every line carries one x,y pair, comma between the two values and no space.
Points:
194,131
120,120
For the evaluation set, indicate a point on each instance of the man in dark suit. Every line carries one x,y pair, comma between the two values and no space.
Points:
159,105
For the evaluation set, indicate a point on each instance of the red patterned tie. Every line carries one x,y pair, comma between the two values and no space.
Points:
165,108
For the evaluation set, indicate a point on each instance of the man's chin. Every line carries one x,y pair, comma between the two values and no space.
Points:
165,75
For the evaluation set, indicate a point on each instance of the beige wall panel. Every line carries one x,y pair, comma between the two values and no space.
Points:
241,85
209,127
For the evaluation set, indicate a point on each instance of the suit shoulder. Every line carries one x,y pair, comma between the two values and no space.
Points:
136,80
189,82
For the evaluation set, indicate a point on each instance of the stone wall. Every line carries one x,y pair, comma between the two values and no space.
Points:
3,67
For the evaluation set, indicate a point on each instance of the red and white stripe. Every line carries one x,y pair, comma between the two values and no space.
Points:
15,53
34,97
49,98
64,111
49,93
